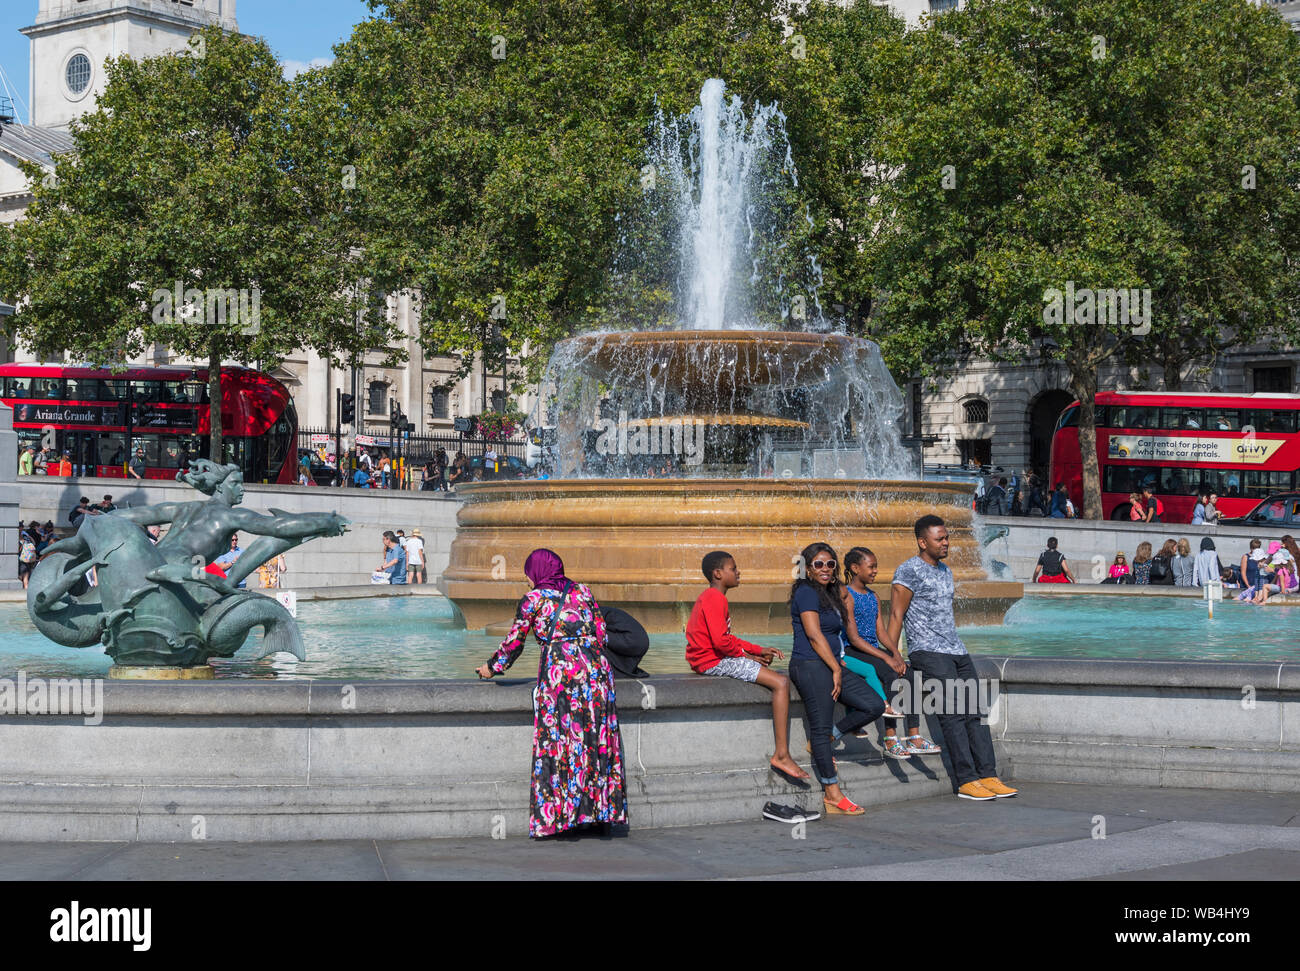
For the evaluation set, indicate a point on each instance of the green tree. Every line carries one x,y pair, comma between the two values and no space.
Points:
1096,143
499,149
205,174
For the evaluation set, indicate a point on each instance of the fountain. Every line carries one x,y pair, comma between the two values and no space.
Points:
758,430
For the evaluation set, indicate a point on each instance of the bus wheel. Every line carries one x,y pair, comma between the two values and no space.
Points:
1122,511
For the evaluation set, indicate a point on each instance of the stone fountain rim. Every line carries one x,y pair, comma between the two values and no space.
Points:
736,336
512,487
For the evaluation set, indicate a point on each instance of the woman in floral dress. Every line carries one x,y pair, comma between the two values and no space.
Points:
578,775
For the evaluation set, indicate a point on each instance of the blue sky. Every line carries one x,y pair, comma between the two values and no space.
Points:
299,31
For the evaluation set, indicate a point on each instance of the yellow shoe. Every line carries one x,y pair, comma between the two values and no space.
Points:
973,790
995,785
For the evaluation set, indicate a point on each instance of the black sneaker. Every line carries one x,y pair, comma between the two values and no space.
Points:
789,814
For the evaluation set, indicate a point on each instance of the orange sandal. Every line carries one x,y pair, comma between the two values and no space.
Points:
845,807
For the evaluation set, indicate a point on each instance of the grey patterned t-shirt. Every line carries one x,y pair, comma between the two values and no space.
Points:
929,622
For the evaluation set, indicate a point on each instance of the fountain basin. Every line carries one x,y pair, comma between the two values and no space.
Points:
638,542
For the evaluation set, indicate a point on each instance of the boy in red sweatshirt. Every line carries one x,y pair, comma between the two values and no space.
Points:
712,649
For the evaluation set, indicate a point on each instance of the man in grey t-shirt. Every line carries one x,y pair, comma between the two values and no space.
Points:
920,603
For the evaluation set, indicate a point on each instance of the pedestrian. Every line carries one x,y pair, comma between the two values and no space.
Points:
27,461
107,504
1212,510
578,776
83,508
27,555
998,502
1119,571
1142,564
65,465
1135,511
1060,502
227,559
712,649
1153,509
1206,567
821,624
1250,571
1162,565
440,465
415,559
394,565
271,573
385,471
1185,566
885,663
1198,511
1051,567
921,602
137,466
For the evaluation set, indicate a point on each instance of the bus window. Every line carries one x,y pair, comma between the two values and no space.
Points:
84,389
50,388
1295,512
115,390
147,391
1276,420
1069,419
151,448
1135,417
112,448
189,448
1190,418
1223,420
184,392
1261,483
15,387
1179,482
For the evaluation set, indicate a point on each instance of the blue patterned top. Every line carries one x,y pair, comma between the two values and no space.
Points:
866,608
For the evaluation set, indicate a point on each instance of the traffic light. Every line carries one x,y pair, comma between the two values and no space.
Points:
348,411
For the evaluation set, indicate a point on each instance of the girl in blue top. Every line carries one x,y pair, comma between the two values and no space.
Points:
885,663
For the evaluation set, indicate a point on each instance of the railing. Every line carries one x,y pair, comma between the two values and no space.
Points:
408,456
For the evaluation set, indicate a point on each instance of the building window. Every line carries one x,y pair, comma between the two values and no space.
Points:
78,73
1273,379
942,6
440,402
498,400
977,411
377,403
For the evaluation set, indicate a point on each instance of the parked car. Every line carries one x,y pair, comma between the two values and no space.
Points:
1281,509
511,467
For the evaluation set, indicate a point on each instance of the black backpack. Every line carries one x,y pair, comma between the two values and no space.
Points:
1160,571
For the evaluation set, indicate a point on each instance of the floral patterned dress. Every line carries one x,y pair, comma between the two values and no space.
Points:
577,749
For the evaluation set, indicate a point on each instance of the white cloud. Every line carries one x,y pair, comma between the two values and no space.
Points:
293,68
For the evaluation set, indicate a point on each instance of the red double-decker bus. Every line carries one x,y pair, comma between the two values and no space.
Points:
100,418
1242,447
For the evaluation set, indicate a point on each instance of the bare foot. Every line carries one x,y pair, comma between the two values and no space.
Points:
789,767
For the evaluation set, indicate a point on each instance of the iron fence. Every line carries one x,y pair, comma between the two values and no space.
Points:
408,453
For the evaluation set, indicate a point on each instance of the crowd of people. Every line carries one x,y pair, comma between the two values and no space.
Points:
842,652
404,560
1261,572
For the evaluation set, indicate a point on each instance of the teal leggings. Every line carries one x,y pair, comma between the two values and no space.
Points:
867,673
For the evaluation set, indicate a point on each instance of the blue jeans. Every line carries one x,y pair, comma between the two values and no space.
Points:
969,744
813,679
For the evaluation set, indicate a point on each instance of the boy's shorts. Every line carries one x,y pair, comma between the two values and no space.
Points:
740,668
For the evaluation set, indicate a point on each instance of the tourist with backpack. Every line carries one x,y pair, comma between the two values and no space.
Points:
1162,565
27,555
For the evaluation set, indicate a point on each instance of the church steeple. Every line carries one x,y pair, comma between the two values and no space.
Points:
72,39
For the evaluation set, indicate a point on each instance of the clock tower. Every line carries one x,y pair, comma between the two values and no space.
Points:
73,39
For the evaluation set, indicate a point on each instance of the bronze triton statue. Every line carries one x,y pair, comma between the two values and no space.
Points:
156,605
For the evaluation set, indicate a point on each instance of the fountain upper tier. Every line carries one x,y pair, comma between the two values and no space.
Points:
727,362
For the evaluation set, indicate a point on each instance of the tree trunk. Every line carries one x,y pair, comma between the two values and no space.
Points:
1083,382
214,404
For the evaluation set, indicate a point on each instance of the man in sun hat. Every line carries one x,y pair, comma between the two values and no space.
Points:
414,547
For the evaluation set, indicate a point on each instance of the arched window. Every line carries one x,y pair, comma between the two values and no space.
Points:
977,411
377,402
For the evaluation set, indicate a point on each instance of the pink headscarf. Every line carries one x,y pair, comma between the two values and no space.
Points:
546,570
1274,546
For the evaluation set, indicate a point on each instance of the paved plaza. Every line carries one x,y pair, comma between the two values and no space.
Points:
1046,833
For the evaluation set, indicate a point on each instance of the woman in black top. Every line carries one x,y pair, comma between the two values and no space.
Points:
1052,567
821,624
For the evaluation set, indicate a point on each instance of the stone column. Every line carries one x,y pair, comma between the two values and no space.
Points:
8,501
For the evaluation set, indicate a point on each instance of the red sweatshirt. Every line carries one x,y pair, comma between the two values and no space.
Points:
708,633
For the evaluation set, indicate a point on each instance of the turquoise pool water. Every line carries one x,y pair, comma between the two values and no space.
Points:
418,637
